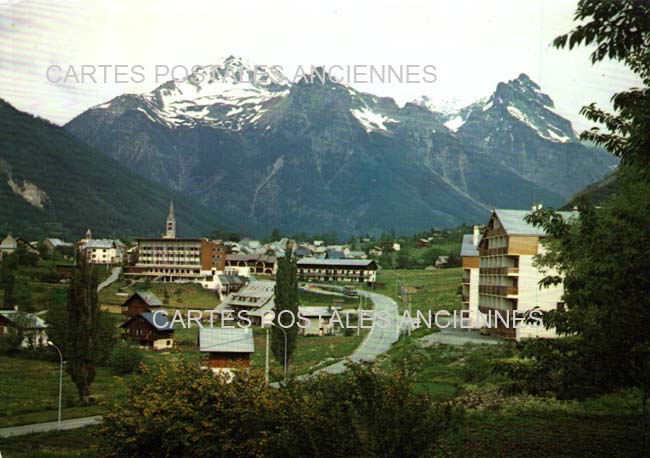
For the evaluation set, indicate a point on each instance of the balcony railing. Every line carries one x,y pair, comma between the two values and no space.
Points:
493,251
499,271
498,290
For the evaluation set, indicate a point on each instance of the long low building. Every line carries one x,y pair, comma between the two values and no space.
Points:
338,270
252,264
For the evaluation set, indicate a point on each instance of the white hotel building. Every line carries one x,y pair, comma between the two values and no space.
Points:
508,277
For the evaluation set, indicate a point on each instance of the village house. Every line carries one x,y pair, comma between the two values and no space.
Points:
338,270
141,302
356,255
8,246
54,244
303,252
441,261
256,299
33,327
176,260
423,243
470,262
226,350
375,251
232,283
101,251
150,330
319,321
508,278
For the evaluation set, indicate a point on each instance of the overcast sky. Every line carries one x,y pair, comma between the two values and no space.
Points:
473,45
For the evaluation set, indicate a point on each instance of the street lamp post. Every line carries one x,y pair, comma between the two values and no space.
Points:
51,344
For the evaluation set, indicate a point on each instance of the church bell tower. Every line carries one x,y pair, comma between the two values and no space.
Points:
170,228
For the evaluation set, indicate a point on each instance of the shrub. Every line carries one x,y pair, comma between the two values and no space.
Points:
191,412
126,359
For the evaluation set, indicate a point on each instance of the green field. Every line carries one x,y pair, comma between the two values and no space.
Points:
76,443
180,295
30,386
427,289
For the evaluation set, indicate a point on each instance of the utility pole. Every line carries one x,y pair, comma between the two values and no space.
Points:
267,357
359,314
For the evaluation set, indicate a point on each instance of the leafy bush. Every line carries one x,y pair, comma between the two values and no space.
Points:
126,359
192,412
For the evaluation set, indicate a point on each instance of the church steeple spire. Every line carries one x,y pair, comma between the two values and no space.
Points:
170,229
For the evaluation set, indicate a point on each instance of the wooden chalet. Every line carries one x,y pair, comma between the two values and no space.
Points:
152,330
141,302
225,350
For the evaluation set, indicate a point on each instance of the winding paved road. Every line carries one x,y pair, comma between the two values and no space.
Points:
50,426
115,274
380,337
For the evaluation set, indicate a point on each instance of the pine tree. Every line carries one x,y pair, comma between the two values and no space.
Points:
286,298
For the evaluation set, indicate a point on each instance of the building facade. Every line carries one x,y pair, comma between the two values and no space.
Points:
338,270
150,330
508,276
253,264
32,326
102,251
8,246
141,302
179,260
470,262
226,350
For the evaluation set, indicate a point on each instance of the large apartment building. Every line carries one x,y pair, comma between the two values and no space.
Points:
471,262
171,259
508,276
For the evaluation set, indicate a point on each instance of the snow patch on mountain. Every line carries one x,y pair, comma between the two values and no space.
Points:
455,123
371,121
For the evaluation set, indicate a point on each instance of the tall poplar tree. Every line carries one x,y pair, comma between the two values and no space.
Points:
82,330
286,298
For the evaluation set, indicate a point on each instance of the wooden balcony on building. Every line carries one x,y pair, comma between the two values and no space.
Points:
499,290
512,271
493,251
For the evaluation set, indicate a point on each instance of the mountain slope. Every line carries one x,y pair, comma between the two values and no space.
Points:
519,128
53,184
312,155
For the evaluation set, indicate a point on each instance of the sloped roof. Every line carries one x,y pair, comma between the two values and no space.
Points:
468,248
99,243
8,243
226,340
336,262
514,222
159,321
355,254
34,321
149,298
251,257
312,311
58,242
